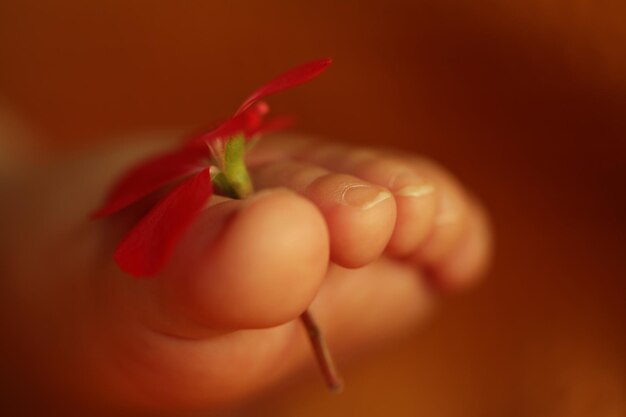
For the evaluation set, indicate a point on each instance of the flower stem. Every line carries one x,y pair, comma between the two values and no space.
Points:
235,170
322,354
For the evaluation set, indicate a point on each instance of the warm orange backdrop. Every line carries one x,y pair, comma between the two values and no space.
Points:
525,100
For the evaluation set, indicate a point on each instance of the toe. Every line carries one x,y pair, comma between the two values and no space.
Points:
468,259
263,269
450,216
242,264
456,250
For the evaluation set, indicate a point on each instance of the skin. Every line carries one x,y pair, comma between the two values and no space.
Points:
366,238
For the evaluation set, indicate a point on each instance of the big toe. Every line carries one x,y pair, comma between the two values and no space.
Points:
262,269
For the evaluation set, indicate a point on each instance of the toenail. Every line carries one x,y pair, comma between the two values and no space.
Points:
418,190
410,185
364,196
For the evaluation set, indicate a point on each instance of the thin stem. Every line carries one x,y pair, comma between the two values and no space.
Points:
324,360
235,169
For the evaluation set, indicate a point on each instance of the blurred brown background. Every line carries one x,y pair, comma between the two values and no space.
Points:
525,100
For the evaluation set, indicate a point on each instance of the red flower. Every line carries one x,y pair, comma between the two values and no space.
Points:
150,243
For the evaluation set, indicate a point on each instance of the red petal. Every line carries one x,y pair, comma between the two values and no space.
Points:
150,244
275,124
247,123
150,176
291,78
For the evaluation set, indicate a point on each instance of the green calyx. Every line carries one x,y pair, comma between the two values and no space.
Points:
234,180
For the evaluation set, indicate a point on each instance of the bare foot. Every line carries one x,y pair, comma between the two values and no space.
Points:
360,235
